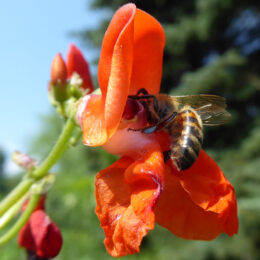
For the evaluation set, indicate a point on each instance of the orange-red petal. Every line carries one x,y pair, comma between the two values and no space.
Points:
115,66
131,58
146,176
176,211
114,74
149,41
122,228
126,193
209,189
198,203
121,28
92,121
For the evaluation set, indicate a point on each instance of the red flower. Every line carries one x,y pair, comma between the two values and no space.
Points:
75,63
40,235
139,188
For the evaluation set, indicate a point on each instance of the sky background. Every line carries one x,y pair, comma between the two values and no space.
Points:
32,33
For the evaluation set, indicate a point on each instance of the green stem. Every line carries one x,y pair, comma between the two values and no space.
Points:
12,212
42,170
56,152
74,139
22,220
15,195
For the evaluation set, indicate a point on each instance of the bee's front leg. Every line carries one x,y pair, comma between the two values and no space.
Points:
145,96
156,127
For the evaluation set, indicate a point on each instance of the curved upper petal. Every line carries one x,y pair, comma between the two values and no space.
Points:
131,58
115,65
146,49
126,193
114,74
149,42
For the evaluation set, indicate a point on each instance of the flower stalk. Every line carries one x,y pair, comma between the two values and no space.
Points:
15,194
11,213
22,219
56,152
32,177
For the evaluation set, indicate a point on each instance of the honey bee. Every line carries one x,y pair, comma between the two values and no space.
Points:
183,118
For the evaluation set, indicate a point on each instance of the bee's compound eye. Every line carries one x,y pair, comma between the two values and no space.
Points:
132,107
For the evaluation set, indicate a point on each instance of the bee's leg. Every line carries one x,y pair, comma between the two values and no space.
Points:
156,127
149,129
145,96
166,155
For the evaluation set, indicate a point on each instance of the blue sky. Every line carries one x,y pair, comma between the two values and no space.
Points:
32,33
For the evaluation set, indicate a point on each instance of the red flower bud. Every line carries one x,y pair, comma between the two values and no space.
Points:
77,63
40,235
58,70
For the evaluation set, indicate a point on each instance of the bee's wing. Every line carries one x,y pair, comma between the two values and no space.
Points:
211,108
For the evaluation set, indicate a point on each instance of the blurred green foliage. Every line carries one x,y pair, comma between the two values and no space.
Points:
209,49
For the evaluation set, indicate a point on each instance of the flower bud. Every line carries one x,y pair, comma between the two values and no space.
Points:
58,70
57,88
77,63
40,236
23,160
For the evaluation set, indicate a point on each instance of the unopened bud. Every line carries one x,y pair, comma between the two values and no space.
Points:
57,87
58,70
23,160
77,63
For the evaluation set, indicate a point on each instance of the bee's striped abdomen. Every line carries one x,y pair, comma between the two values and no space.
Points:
186,133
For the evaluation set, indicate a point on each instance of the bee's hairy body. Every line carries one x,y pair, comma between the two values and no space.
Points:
185,130
186,135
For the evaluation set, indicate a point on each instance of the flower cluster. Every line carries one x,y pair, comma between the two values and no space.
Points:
76,63
69,81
